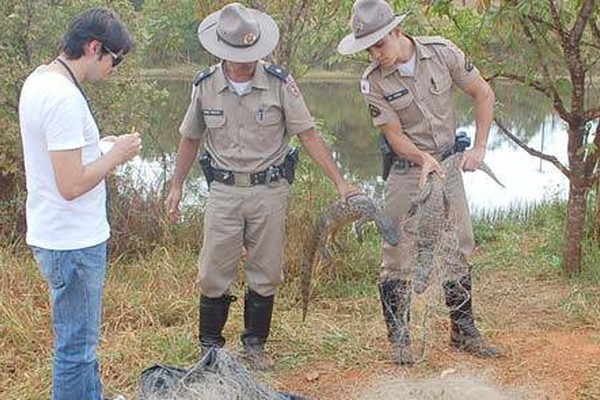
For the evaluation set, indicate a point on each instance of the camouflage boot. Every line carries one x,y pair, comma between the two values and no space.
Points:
258,311
213,313
464,335
395,302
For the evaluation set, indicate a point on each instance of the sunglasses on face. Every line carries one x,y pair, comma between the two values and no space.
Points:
116,59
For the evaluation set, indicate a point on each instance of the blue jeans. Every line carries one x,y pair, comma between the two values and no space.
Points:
76,280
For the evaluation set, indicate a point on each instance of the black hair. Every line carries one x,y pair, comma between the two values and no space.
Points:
99,24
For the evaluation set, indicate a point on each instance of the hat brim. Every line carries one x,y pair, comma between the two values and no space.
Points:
266,43
351,45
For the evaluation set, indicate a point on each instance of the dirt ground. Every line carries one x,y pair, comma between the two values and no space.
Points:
550,365
549,350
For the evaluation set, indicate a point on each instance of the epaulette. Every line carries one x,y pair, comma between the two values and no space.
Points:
432,40
277,71
202,75
372,67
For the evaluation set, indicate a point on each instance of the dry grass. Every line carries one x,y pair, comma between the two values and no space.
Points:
150,309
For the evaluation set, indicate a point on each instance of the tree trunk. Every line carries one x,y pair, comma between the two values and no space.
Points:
575,226
597,214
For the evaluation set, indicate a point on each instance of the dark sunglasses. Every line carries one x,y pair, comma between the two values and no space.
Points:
116,59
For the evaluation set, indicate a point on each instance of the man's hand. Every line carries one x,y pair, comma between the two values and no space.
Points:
472,159
346,190
429,165
172,203
126,146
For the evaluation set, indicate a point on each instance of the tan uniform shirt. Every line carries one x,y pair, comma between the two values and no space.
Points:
423,104
251,132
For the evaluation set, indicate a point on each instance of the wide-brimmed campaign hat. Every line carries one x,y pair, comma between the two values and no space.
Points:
371,20
239,34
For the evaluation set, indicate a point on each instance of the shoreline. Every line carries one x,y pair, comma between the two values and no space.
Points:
188,71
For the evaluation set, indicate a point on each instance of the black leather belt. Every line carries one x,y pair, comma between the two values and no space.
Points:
269,176
402,163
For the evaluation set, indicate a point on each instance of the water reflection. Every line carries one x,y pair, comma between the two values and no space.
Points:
340,109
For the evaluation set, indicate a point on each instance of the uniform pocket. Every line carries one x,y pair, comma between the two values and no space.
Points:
407,109
215,121
441,98
401,103
440,86
269,121
266,117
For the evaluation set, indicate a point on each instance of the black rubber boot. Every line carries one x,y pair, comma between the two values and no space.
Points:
258,311
213,314
395,302
464,335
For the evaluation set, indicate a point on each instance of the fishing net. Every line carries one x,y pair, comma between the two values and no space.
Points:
217,376
461,387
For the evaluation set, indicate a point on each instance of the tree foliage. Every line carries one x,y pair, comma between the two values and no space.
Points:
552,47
170,32
309,29
31,36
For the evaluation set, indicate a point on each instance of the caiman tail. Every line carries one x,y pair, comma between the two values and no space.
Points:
357,209
310,257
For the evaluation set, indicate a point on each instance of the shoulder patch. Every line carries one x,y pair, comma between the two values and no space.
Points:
202,75
284,76
432,40
374,111
277,71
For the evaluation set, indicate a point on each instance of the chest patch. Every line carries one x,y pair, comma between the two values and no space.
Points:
212,112
397,94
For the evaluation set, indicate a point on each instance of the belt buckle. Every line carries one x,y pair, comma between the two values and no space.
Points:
272,176
241,179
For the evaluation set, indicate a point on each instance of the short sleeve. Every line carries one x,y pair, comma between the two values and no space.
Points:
297,116
193,125
462,70
64,119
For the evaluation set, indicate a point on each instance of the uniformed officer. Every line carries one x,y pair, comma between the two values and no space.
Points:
408,89
246,110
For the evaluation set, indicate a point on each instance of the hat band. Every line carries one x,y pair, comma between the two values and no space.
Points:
248,40
367,32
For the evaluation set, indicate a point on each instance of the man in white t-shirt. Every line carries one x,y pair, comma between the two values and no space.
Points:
67,228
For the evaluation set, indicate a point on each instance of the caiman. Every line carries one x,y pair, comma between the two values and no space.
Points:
431,225
359,210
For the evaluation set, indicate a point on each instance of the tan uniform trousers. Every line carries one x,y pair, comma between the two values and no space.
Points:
237,217
403,185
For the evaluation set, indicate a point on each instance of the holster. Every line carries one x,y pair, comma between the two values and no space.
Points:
289,164
205,161
387,156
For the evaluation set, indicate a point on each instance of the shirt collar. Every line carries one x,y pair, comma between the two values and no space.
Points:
422,53
259,80
220,79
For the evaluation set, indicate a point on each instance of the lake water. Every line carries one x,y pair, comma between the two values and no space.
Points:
340,109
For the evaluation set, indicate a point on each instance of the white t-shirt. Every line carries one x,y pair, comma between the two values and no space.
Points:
241,88
408,68
54,116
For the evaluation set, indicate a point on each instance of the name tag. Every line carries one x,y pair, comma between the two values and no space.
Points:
212,112
396,95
